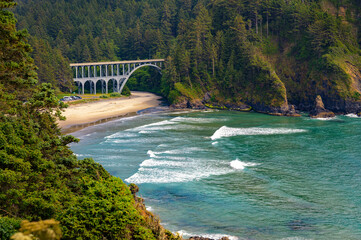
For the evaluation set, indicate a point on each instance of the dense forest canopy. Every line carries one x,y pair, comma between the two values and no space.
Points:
40,177
265,53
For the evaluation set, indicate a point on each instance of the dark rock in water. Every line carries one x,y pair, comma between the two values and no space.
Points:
181,104
196,104
239,107
292,112
202,238
188,103
284,110
320,111
359,114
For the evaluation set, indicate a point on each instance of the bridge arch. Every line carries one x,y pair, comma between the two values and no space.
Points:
135,69
116,74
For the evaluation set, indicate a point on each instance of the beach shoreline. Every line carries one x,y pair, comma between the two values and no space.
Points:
88,114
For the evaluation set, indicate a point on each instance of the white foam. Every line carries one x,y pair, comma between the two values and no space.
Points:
189,172
152,126
151,154
325,119
229,132
180,151
214,143
239,165
149,208
155,163
206,235
352,115
122,134
196,120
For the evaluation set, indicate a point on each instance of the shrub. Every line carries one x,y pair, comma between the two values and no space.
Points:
8,226
126,91
115,94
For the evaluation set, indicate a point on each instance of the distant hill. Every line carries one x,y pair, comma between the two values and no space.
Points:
266,54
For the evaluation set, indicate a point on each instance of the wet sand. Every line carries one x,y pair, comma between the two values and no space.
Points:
82,115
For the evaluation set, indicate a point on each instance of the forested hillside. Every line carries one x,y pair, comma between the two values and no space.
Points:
40,178
265,53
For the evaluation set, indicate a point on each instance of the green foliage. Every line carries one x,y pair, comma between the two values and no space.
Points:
209,45
8,226
126,91
110,198
115,94
40,177
145,79
103,96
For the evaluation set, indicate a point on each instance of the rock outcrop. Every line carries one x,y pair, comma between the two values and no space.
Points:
292,112
320,111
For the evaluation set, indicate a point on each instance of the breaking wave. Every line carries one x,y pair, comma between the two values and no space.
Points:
352,115
239,165
206,235
230,132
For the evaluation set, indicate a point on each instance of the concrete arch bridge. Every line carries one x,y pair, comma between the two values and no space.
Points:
105,74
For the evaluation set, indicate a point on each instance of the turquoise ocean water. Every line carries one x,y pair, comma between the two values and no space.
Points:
245,175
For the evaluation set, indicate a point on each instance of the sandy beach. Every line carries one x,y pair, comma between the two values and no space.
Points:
96,112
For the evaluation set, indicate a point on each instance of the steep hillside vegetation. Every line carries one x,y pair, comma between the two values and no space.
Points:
265,53
40,178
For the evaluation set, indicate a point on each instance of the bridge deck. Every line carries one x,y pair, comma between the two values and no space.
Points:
117,62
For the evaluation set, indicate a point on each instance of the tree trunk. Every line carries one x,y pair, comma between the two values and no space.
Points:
267,24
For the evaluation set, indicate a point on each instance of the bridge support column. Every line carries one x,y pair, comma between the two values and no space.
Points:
95,88
83,85
100,72
76,72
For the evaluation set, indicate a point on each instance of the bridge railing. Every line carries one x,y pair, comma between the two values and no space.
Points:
119,72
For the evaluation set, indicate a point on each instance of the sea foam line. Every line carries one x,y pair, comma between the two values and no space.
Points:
230,132
206,235
352,115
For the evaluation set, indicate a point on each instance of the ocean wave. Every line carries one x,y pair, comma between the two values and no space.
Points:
230,132
239,165
122,134
352,115
196,120
151,154
157,163
325,119
180,151
206,235
151,126
189,172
